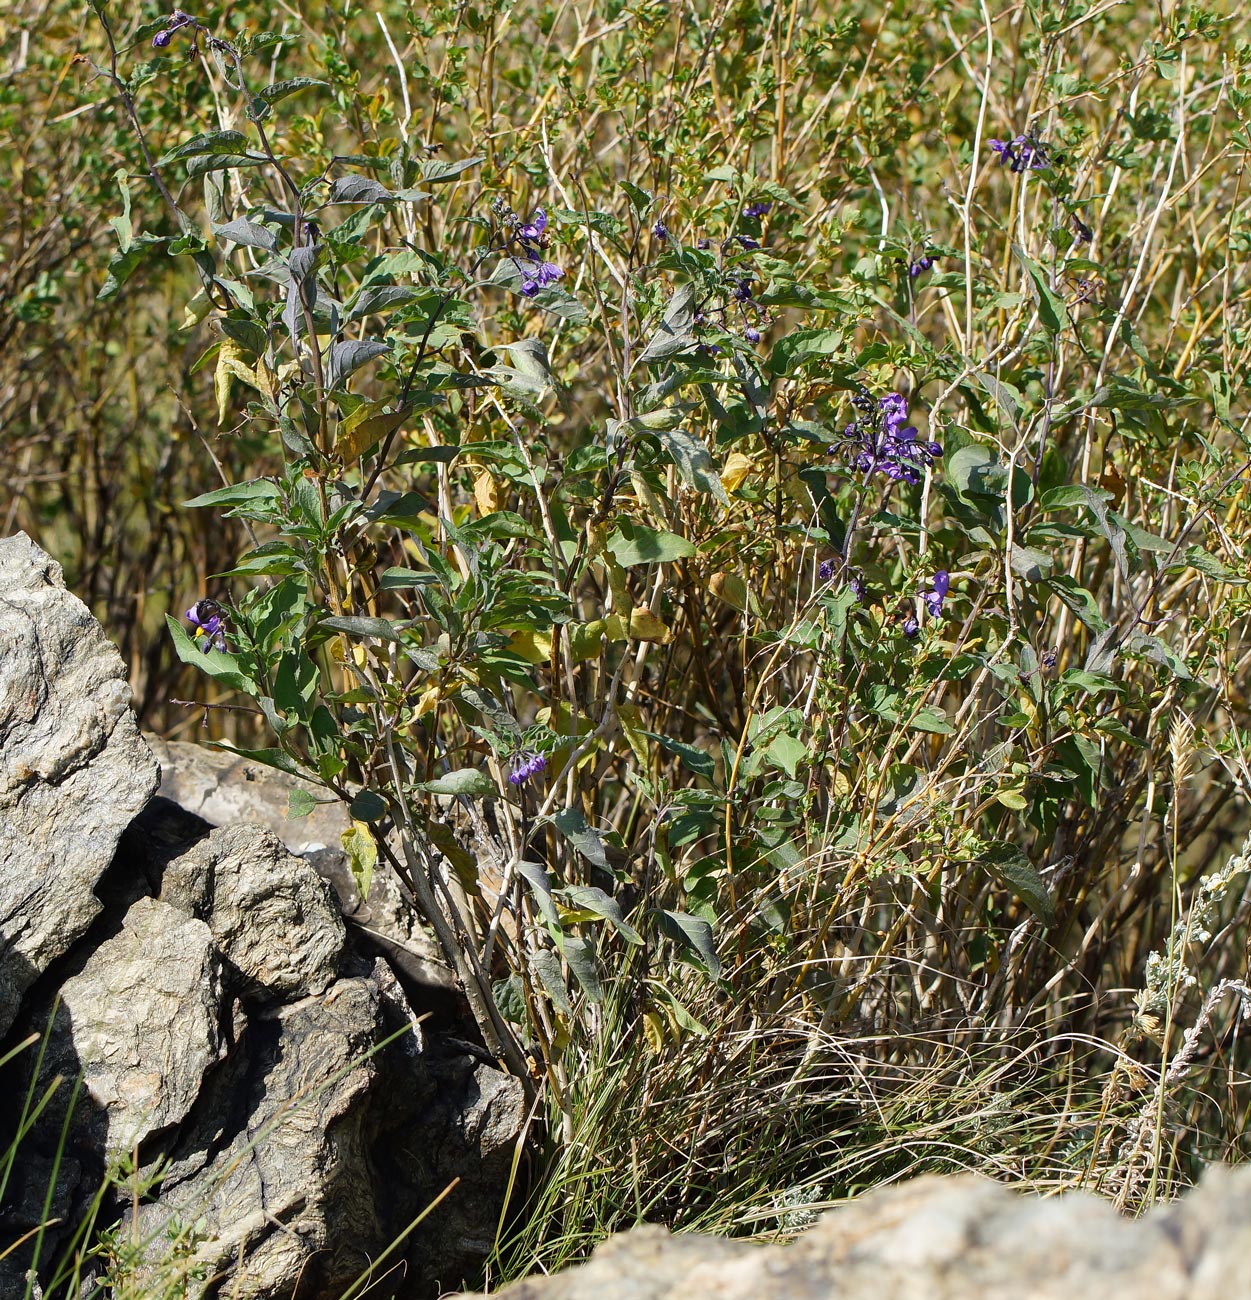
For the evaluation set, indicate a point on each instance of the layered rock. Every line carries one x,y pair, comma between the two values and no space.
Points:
263,1076
74,769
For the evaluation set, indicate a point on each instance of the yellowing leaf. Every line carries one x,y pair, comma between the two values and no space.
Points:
654,1030
229,366
737,468
730,587
428,701
645,626
362,851
369,423
533,647
584,639
490,493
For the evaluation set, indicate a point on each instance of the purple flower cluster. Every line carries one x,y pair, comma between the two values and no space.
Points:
883,442
534,240
757,209
525,763
922,263
209,623
660,231
1022,154
940,584
176,20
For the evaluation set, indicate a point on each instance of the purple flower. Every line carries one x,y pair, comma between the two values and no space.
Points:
880,441
1003,152
1024,153
825,570
176,20
534,231
921,264
525,764
703,243
752,334
210,626
910,626
757,209
742,290
660,231
748,243
934,599
538,275
855,580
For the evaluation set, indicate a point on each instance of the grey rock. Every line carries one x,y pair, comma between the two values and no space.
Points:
223,788
272,917
329,1149
141,1019
936,1238
73,768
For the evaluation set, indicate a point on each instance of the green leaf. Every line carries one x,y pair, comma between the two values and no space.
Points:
279,90
1079,600
692,933
540,886
547,965
257,489
632,544
803,345
381,628
350,355
224,667
590,843
207,143
435,170
587,898
122,265
693,460
241,231
1051,309
676,332
359,189
299,803
1010,865
367,807
464,781
695,760
580,954
971,470
931,720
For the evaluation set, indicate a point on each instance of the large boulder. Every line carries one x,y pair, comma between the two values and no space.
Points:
943,1239
289,1114
74,769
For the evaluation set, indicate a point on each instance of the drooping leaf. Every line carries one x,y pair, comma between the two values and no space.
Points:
1010,865
350,355
573,826
547,965
362,853
692,933
580,954
587,898
694,462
